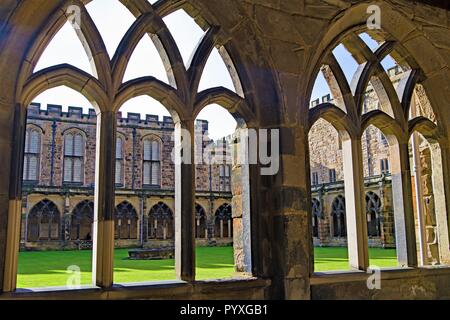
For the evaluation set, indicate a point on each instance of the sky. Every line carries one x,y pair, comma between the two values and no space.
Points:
348,65
113,20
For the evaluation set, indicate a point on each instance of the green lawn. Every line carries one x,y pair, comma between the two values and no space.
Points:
334,259
48,269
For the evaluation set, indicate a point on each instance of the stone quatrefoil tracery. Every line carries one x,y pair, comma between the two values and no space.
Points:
392,117
106,90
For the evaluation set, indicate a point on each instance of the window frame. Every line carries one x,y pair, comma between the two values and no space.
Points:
315,179
120,162
152,162
28,155
73,157
105,111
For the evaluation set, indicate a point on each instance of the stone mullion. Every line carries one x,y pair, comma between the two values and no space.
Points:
355,204
241,212
103,253
403,206
14,208
184,201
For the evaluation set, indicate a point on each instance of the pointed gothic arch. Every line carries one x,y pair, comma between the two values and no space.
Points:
126,221
161,222
81,221
44,221
223,222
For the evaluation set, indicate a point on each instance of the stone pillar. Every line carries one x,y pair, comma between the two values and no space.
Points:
355,204
66,221
11,149
403,205
441,205
143,225
103,249
387,216
145,230
287,197
240,188
184,200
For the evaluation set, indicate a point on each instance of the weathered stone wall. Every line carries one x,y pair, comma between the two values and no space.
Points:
400,285
132,129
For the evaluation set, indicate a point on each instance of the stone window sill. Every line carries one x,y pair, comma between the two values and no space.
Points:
144,290
321,278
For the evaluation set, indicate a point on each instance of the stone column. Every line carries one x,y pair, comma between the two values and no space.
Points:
387,220
403,205
145,231
103,249
11,150
355,204
66,222
441,205
287,197
184,201
241,210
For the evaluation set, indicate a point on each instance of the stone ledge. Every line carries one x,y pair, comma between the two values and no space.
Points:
246,288
322,278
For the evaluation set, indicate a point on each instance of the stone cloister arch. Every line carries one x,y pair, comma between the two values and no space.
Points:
82,219
106,92
392,119
277,48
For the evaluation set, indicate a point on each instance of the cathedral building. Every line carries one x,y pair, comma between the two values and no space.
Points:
366,168
58,182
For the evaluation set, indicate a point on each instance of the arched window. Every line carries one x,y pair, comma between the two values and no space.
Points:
32,155
201,230
73,157
338,217
160,222
152,163
44,222
225,178
316,214
224,222
373,209
82,220
126,221
119,162
187,87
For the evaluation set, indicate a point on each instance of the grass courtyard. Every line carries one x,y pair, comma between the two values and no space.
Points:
332,259
48,269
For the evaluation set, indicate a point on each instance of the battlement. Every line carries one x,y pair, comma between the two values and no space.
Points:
56,112
325,99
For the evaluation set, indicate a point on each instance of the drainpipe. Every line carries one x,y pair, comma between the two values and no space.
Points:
418,188
133,173
52,163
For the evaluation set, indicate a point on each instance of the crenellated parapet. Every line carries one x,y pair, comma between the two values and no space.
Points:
77,114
